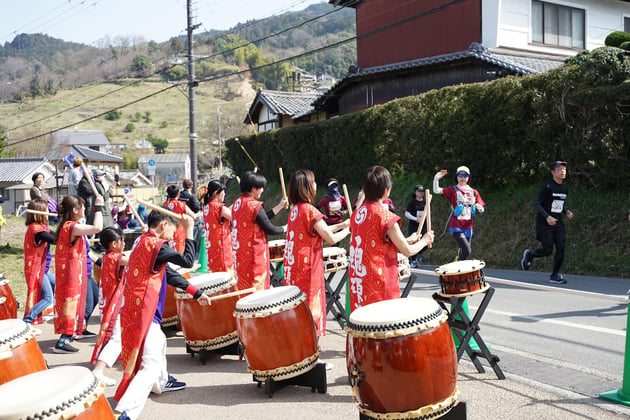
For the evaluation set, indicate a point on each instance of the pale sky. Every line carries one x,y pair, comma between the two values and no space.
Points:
87,21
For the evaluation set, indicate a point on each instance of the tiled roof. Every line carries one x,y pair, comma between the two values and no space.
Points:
15,170
94,156
165,157
81,137
287,103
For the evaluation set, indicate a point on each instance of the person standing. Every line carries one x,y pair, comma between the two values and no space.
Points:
179,207
414,212
375,243
217,217
466,203
550,231
303,254
76,174
37,192
99,178
333,204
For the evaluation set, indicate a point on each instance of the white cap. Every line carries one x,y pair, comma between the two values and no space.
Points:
463,169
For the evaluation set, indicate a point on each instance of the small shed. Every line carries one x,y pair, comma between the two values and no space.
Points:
16,182
162,169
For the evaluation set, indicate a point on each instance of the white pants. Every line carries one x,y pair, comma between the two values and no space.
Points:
152,376
109,354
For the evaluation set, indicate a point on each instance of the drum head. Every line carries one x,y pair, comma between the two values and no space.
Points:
13,332
458,267
272,300
277,243
66,389
396,317
329,251
210,284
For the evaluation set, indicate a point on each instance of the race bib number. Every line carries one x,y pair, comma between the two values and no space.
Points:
557,206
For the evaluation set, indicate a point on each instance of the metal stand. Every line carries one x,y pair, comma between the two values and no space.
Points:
276,280
458,412
467,330
314,378
204,355
335,283
410,282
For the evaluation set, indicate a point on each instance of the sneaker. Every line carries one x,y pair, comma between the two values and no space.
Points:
122,416
85,334
173,385
104,379
526,262
64,348
557,279
413,264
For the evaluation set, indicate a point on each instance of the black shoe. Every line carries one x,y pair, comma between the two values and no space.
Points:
557,279
65,348
173,385
526,261
85,334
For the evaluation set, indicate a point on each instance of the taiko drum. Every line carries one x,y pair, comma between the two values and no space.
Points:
208,327
462,278
169,316
401,359
20,354
335,259
276,250
67,392
8,305
277,330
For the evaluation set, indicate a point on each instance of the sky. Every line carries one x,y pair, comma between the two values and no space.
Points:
88,21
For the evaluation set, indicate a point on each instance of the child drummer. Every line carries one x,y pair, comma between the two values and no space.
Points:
143,342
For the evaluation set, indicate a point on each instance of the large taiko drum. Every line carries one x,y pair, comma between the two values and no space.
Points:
8,305
334,259
401,359
169,316
19,352
208,327
276,250
278,333
67,392
404,268
462,278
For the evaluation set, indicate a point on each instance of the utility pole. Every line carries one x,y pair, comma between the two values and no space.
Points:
220,142
191,97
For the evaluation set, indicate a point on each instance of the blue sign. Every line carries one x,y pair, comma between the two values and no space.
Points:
127,190
151,162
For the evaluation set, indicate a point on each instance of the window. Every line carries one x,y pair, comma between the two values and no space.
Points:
626,24
556,25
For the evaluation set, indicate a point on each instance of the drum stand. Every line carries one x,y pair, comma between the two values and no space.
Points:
466,329
333,295
232,350
276,280
314,378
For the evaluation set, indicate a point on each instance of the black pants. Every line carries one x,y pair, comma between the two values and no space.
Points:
464,245
548,237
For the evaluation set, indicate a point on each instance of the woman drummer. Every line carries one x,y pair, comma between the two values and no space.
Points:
216,218
303,259
376,241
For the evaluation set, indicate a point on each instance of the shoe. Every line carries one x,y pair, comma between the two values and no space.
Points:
122,416
526,261
64,348
557,279
104,379
413,264
173,385
85,334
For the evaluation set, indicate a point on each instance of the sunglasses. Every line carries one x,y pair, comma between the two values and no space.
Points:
463,175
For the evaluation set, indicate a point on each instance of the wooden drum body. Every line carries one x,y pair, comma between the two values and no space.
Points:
401,359
8,305
67,392
335,259
20,354
276,250
462,278
278,333
169,316
208,327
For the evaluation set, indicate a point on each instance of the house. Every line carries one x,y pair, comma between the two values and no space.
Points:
166,168
273,109
96,140
428,44
16,182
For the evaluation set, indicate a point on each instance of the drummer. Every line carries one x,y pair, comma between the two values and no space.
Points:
173,204
303,259
216,218
376,240
251,225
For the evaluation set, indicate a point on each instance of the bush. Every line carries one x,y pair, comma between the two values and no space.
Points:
113,115
615,39
129,128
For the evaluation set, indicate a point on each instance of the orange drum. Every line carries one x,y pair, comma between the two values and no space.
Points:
404,268
462,278
169,316
208,327
276,250
19,352
401,359
334,259
67,392
277,331
8,305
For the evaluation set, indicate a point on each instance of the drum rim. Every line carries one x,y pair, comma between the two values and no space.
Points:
18,337
294,297
217,287
286,372
400,328
445,271
428,412
276,242
213,343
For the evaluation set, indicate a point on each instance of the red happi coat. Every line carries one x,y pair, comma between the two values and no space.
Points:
141,296
179,238
304,262
34,266
373,257
112,284
218,238
249,244
71,288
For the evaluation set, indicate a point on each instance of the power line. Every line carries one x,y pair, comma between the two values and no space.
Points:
304,54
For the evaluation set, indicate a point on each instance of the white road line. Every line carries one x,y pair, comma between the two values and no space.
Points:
558,322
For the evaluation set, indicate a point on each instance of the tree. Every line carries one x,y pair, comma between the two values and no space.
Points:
159,145
141,65
35,87
176,46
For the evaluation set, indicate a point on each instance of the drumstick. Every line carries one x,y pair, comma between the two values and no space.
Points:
284,190
135,213
43,213
427,212
89,178
347,196
162,210
238,292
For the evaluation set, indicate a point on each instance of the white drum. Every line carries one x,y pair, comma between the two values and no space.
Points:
334,259
462,278
20,354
